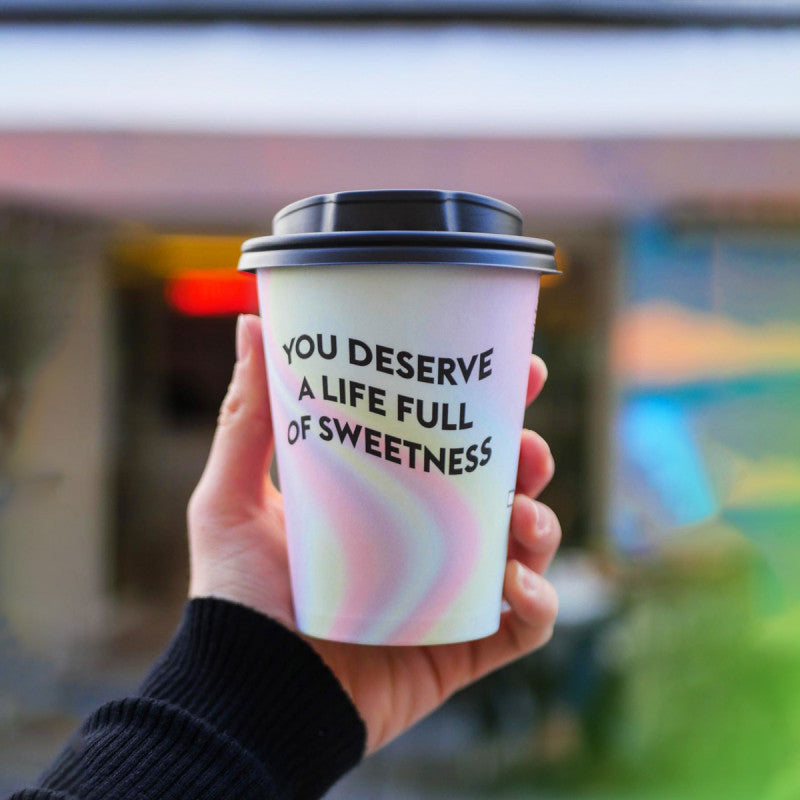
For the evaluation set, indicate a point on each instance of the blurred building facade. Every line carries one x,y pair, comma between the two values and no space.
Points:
166,219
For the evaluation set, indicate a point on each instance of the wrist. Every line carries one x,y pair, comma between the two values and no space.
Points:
260,683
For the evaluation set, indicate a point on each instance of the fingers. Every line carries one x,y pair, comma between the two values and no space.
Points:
536,465
534,607
535,534
527,625
243,442
537,377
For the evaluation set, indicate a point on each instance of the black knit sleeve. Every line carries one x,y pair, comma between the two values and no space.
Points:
238,706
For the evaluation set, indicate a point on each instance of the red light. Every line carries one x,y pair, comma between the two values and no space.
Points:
205,293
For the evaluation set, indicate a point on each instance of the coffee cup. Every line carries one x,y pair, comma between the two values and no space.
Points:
397,329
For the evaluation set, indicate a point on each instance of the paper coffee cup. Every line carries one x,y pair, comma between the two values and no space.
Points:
397,330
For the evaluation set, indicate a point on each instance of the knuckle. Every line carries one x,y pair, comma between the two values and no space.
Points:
204,507
237,408
231,406
195,508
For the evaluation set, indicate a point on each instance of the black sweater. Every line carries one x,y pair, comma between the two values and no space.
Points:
237,707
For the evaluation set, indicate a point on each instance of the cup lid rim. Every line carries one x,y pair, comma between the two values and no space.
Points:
398,247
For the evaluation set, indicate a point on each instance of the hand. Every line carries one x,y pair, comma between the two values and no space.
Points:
238,552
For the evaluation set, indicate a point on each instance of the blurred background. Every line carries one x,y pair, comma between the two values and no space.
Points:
657,143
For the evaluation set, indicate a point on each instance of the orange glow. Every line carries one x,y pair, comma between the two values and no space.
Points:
663,343
212,292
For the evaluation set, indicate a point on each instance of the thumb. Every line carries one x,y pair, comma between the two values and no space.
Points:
241,453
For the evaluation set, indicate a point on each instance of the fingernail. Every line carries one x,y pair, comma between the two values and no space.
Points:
526,580
542,520
546,371
242,342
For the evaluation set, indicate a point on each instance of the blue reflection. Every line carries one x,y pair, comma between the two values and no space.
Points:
658,441
722,443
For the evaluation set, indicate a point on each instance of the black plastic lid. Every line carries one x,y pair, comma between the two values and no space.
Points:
424,210
398,226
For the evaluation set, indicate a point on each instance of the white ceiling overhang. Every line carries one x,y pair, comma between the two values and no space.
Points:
395,80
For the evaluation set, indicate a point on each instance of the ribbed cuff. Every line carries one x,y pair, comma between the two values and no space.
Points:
145,748
250,678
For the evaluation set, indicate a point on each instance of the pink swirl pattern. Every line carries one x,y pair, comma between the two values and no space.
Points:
382,553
